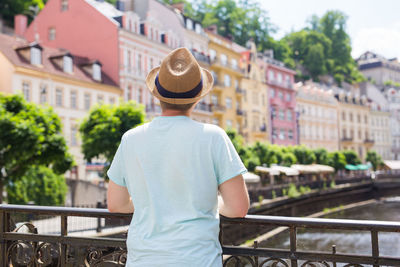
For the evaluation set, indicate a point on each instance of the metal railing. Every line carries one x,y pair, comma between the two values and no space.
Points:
32,248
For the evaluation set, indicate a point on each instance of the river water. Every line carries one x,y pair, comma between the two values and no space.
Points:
348,242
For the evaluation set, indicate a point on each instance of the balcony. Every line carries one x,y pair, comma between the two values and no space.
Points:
201,57
346,139
25,244
368,141
203,107
239,91
218,108
263,128
240,112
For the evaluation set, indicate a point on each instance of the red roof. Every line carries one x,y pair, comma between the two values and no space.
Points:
10,44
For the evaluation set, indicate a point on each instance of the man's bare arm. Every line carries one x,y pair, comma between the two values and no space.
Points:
118,199
234,199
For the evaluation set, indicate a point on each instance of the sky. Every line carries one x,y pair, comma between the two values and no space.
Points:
373,25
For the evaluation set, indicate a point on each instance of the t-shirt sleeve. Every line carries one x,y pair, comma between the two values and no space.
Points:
227,163
117,169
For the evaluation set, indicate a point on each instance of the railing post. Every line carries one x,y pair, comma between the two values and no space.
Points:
64,232
375,247
293,245
3,261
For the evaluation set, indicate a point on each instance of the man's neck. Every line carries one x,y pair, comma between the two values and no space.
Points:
171,112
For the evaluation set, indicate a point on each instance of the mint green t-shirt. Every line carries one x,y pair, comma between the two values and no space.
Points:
172,167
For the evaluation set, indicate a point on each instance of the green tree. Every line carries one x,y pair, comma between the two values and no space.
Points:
303,154
29,135
267,154
39,185
288,159
375,159
238,143
105,125
337,160
321,156
10,8
351,157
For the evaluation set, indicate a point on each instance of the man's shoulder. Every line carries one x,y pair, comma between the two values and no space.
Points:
135,131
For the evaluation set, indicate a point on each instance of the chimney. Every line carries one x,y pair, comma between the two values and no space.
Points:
180,6
20,24
213,28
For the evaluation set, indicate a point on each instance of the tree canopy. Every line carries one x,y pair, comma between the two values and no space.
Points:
105,125
375,159
39,185
10,8
29,135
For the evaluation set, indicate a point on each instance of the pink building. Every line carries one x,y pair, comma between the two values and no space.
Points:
282,102
127,45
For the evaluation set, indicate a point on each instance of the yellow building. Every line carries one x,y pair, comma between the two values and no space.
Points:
70,84
354,123
226,96
255,99
317,109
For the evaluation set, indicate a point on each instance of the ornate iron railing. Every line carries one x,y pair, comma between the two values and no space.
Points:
33,248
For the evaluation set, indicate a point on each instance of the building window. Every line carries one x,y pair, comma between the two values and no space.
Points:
43,94
87,101
365,119
140,95
344,133
112,100
36,56
224,59
279,78
228,102
288,97
272,94
67,64
290,134
274,133
100,99
282,134
215,121
358,118
74,132
343,116
255,98
64,5
213,54
281,114
229,123
129,60
280,95
234,63
214,100
273,112
359,134
59,97
139,63
26,91
289,115
227,80
52,34
351,116
73,99
271,75
96,72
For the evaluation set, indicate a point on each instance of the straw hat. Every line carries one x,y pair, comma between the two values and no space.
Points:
179,79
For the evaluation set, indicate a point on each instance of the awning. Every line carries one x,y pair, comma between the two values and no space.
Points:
392,164
250,177
261,169
313,168
351,167
362,167
286,170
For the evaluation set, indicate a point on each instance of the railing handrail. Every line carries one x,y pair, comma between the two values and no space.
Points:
321,223
346,224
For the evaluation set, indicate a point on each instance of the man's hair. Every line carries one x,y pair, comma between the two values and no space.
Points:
181,107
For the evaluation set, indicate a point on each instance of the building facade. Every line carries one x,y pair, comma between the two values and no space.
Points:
226,95
282,102
255,98
354,123
378,69
68,83
380,130
393,97
318,122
